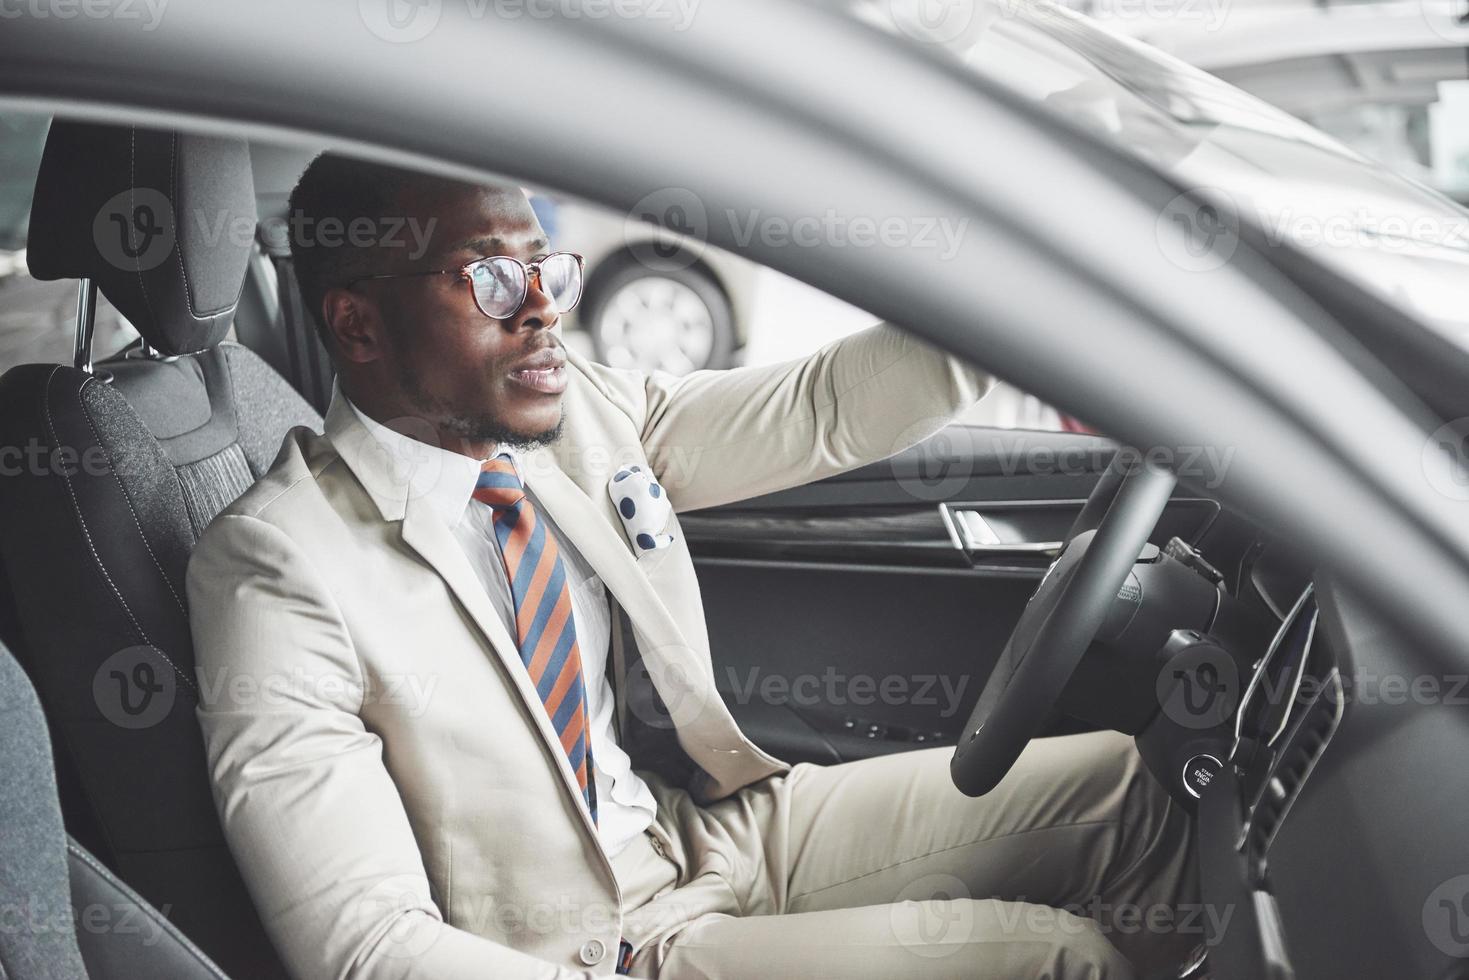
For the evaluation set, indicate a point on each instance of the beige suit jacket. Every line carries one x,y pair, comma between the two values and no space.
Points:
387,778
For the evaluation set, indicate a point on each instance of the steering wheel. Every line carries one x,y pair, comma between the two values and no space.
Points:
1061,619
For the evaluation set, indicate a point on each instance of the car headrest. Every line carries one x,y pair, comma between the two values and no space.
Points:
163,222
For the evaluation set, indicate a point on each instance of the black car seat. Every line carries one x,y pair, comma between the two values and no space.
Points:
69,917
121,467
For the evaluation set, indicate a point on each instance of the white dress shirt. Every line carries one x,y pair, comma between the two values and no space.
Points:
625,805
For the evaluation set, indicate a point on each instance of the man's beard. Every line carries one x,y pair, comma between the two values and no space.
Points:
487,428
476,427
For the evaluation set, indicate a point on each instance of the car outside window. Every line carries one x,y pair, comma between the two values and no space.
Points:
657,301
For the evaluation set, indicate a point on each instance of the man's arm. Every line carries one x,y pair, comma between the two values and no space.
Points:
719,436
312,815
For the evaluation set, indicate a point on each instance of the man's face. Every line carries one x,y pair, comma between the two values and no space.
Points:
476,380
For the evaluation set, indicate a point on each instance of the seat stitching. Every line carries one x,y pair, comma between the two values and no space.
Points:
178,244
132,202
86,533
163,920
127,498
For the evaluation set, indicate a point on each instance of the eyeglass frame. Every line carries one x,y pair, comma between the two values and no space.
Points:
532,273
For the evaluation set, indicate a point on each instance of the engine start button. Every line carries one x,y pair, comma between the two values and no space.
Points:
1199,772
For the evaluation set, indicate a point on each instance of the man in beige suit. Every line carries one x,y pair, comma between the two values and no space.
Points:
461,725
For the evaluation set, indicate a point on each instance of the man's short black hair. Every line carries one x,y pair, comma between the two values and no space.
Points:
333,193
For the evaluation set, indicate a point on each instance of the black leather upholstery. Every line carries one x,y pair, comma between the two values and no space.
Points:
163,222
135,941
120,473
68,917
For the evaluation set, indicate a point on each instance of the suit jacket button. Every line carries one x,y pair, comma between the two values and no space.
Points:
592,952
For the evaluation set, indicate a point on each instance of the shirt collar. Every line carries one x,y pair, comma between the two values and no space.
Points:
445,479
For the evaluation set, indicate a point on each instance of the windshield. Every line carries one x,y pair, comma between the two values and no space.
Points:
1256,163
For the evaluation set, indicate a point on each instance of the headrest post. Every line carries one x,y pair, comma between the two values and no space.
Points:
86,321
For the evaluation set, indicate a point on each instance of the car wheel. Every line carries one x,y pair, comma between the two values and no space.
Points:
678,320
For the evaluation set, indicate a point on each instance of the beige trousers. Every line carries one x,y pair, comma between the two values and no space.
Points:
1076,865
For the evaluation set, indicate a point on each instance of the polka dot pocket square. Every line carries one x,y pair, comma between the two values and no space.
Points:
643,507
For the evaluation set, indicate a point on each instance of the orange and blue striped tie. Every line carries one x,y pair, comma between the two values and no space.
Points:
543,621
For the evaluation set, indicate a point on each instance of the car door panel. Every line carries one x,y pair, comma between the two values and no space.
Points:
853,616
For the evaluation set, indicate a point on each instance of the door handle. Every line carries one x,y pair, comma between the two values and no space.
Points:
974,535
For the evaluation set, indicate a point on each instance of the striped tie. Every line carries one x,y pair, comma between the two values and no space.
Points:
543,621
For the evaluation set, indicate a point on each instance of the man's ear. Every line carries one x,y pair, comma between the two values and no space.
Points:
355,324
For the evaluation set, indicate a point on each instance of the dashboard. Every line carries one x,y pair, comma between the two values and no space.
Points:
1332,841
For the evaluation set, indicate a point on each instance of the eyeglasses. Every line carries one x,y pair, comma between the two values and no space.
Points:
500,283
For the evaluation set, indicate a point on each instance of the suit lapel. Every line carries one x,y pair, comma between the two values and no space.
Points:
425,533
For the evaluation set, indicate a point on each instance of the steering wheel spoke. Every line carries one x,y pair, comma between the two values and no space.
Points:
1061,620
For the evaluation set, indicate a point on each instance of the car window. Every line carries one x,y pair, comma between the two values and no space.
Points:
37,319
653,301
659,301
